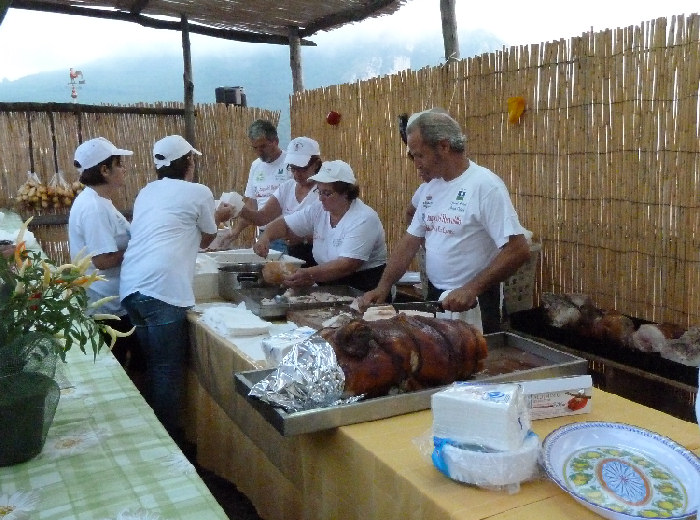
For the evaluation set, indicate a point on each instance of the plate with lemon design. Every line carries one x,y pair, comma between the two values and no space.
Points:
623,472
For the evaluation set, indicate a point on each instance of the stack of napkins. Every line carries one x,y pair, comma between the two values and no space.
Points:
481,435
234,320
489,415
234,199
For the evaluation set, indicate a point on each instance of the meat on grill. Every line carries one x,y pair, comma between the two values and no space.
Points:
405,353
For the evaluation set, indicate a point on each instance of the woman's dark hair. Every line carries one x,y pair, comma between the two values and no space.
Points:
351,191
93,176
318,161
176,169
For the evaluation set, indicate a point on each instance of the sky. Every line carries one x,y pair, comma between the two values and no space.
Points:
44,42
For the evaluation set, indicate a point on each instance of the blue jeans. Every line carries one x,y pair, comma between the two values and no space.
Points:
163,333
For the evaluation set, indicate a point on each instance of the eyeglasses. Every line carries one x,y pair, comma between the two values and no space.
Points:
326,193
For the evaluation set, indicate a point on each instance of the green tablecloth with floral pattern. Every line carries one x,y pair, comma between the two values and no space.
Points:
106,457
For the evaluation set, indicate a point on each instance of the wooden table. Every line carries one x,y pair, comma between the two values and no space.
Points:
367,470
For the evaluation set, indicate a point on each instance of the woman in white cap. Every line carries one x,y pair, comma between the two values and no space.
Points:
97,228
349,243
173,218
303,160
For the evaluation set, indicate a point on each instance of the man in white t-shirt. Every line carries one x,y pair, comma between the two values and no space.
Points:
266,174
473,238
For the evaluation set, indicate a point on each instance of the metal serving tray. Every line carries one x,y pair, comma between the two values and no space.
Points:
253,296
511,358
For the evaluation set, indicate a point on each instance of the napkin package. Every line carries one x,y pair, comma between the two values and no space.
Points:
491,416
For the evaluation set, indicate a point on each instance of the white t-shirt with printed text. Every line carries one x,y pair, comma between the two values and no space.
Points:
464,222
264,178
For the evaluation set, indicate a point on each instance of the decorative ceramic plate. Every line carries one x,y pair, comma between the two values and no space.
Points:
623,472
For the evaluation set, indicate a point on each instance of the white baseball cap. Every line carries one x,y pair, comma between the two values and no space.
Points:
94,151
170,148
300,150
332,171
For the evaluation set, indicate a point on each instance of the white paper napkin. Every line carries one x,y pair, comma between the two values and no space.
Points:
234,199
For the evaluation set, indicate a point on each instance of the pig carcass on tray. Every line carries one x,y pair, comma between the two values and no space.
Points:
405,353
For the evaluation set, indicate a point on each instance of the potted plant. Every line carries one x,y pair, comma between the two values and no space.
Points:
43,314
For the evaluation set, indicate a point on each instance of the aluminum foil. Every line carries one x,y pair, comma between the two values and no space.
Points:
308,377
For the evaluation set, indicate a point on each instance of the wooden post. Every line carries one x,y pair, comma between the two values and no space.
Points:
189,85
295,59
449,30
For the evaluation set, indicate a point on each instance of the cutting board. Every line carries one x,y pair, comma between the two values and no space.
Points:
314,318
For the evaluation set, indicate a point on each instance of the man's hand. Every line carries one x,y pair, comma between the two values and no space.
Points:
459,300
223,213
300,278
371,298
262,246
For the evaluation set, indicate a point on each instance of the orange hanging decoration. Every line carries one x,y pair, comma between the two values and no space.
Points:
516,107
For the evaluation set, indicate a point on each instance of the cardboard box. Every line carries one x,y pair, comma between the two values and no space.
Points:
558,396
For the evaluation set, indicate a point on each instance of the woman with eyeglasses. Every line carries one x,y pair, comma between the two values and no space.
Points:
303,160
349,243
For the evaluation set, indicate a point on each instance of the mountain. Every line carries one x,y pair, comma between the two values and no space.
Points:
262,70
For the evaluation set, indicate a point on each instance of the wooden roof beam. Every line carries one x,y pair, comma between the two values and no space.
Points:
145,21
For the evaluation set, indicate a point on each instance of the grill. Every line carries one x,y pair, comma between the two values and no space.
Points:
643,377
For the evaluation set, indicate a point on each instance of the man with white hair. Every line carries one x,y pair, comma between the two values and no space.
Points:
473,238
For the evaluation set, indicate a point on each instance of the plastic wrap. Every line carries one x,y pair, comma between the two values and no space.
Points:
482,467
308,377
481,436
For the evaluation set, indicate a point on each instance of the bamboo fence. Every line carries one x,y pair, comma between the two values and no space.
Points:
42,138
603,166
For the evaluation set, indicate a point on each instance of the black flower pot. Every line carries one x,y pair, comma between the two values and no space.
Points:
28,403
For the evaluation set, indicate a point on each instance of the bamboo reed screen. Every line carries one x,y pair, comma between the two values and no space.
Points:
604,165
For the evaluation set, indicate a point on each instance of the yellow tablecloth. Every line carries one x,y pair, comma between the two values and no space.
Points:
367,470
106,457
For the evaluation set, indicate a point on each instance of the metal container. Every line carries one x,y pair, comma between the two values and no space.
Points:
511,358
260,300
234,277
